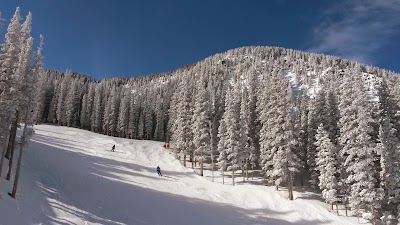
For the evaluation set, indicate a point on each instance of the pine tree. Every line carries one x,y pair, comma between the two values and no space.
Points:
181,127
97,109
27,78
114,111
215,89
53,104
332,116
41,88
123,116
71,104
9,63
271,110
84,120
327,165
106,117
61,106
140,134
358,150
254,125
160,120
134,107
303,134
148,119
278,143
201,122
231,118
317,115
390,174
247,154
222,149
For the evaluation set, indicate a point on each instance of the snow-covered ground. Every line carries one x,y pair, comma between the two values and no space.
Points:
70,176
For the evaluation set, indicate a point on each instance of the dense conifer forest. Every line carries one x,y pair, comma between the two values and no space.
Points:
301,119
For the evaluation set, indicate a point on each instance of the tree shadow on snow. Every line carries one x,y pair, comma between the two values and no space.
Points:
87,188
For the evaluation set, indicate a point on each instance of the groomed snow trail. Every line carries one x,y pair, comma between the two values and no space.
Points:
70,176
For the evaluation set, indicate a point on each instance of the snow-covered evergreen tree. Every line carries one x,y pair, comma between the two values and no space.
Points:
389,149
97,109
254,126
134,107
123,117
159,132
357,149
148,114
61,104
71,104
231,118
277,133
222,149
9,63
181,128
27,74
201,123
247,153
114,111
84,120
41,88
106,117
332,116
317,115
327,165
303,111
140,134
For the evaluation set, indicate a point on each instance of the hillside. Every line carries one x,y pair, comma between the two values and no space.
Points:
70,176
303,120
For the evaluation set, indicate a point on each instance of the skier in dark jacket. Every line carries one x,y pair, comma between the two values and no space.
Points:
159,171
113,148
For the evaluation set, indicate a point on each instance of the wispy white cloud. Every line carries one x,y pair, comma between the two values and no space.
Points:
357,29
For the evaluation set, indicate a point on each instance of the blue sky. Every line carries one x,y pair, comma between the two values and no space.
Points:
107,38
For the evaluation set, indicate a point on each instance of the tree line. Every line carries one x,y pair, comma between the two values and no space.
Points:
19,69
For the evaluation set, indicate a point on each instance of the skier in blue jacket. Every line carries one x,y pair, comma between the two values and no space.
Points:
159,171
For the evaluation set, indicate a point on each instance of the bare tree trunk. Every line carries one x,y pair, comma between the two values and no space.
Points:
17,172
10,163
247,171
223,177
243,173
184,159
201,167
252,171
373,214
290,186
211,147
13,133
5,140
201,164
233,176
11,145
337,209
212,166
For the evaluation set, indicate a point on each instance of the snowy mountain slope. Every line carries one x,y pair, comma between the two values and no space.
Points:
70,176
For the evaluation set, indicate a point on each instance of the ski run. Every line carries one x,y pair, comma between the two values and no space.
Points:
70,176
